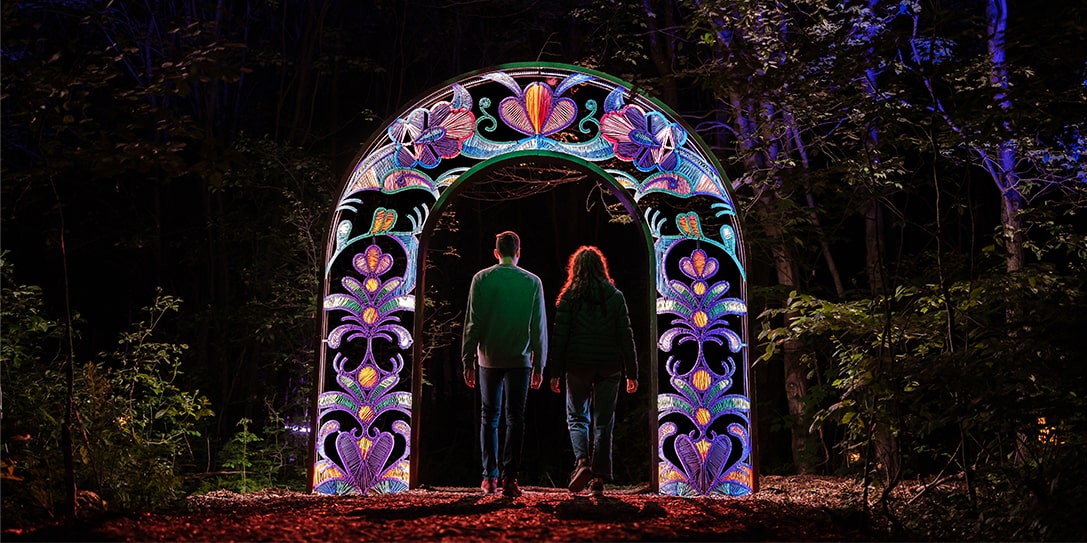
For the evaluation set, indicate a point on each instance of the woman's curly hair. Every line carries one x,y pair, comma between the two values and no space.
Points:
586,268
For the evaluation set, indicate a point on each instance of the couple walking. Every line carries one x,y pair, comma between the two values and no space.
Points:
505,346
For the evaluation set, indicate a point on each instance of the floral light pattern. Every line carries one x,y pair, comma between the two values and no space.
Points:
709,462
648,140
364,422
370,304
700,307
364,453
537,111
428,135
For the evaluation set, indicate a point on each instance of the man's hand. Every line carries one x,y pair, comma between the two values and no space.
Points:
555,385
537,380
470,377
632,386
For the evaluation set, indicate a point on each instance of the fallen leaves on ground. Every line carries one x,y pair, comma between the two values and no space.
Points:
797,508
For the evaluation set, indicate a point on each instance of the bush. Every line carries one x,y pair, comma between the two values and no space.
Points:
132,419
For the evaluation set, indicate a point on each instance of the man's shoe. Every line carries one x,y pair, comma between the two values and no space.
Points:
597,487
510,488
580,476
489,485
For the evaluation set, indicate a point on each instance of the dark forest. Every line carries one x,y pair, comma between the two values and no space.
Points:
911,180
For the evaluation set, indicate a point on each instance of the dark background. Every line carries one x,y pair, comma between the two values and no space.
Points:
552,224
199,147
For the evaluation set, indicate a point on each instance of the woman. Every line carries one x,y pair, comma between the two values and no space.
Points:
593,346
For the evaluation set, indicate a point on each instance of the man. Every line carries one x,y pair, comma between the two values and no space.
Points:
505,329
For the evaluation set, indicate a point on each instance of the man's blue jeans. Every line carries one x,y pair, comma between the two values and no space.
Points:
492,382
591,394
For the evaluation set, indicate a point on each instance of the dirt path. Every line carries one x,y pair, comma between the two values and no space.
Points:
786,509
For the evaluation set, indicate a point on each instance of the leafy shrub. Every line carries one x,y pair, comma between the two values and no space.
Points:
132,418
979,383
251,462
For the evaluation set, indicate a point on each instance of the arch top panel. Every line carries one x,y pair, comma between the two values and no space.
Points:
363,420
568,110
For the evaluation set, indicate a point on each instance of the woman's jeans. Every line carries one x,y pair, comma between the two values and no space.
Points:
515,382
590,398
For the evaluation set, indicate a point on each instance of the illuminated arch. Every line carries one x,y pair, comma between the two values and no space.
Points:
363,428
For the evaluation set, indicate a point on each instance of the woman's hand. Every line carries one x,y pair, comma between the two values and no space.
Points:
555,385
632,386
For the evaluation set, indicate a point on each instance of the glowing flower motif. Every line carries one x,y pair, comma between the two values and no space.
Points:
706,463
646,139
364,452
704,467
701,307
427,136
364,465
370,303
536,111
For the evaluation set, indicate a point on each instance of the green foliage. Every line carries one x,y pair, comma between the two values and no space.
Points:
236,455
133,420
31,409
958,390
252,463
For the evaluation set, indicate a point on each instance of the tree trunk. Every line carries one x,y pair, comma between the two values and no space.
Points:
1003,167
786,268
884,442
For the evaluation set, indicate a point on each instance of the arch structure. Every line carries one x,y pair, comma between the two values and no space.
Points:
363,432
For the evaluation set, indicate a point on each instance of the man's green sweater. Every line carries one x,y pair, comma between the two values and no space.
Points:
505,325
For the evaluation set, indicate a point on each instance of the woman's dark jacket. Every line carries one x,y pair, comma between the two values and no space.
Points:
593,329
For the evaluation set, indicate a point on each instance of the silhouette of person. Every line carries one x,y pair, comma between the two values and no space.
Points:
594,347
505,332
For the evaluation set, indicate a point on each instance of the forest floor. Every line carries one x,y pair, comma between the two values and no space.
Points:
793,508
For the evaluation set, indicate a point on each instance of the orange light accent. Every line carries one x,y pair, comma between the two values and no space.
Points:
700,319
668,474
703,447
367,377
688,223
373,254
372,284
400,472
686,228
699,288
383,220
701,379
325,472
699,259
369,316
366,414
538,105
702,416
364,446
